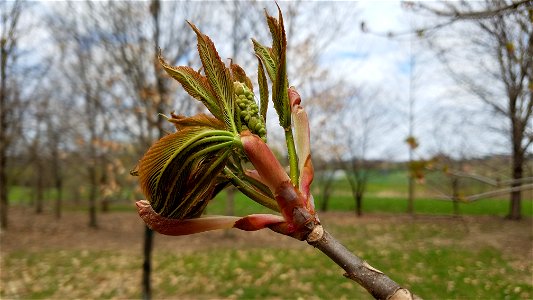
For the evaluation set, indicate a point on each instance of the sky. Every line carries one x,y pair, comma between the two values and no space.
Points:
374,62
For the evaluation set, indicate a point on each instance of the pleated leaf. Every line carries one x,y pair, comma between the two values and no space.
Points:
218,76
179,174
280,83
275,31
195,85
263,89
263,53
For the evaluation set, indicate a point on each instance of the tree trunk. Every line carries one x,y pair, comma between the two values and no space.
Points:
326,191
230,201
59,197
3,190
515,209
359,204
39,187
230,208
92,197
147,262
455,195
3,138
411,195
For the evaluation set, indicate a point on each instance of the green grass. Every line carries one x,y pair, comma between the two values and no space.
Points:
497,207
435,262
386,193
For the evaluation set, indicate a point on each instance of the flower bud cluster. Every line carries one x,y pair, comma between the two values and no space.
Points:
249,112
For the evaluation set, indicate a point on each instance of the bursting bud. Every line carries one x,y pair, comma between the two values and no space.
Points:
249,112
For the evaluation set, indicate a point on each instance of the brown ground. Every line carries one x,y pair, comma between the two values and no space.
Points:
123,231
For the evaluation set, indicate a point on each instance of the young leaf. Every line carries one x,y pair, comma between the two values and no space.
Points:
263,89
179,173
218,75
239,75
274,60
263,53
195,85
175,227
302,143
280,88
275,31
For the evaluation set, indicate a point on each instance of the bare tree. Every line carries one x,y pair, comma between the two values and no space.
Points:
132,35
15,84
83,65
363,121
500,51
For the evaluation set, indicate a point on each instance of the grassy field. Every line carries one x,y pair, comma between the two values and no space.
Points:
386,193
389,205
436,257
478,255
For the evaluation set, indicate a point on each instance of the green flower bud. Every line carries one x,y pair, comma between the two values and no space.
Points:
238,88
253,121
249,111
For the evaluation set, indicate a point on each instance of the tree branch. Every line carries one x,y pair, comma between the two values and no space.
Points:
481,14
379,285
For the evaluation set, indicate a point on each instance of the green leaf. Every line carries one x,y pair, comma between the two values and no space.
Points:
195,85
179,174
218,76
269,63
275,31
280,84
263,89
274,62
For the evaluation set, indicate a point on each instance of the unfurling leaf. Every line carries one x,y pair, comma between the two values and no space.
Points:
180,173
274,61
302,142
195,85
218,76
263,53
176,227
263,89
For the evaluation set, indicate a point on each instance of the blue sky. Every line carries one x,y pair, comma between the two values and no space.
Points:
439,104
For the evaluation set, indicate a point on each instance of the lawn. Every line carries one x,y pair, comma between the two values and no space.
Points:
480,257
345,203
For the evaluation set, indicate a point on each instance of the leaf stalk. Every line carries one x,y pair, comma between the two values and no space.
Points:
293,157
